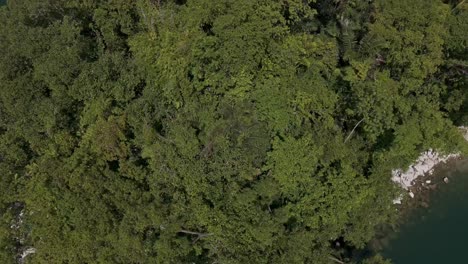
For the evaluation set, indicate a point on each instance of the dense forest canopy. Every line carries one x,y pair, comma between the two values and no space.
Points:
203,131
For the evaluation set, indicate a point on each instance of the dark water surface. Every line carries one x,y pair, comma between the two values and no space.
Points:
439,233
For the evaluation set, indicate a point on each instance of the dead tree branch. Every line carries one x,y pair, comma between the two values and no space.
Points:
336,260
352,131
197,234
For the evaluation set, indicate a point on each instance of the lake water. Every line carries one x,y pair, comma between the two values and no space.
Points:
436,234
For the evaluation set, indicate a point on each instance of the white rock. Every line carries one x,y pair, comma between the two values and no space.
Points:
424,164
398,199
27,252
464,131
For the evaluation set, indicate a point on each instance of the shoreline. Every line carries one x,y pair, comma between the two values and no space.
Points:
419,173
420,204
424,165
425,185
422,201
430,172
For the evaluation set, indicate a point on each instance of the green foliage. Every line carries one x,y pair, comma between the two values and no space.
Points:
231,132
408,36
377,259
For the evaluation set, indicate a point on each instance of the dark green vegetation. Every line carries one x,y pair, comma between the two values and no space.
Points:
203,131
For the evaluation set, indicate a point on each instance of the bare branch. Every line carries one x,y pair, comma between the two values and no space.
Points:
198,234
458,5
336,260
352,131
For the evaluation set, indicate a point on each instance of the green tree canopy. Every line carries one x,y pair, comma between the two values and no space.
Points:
200,131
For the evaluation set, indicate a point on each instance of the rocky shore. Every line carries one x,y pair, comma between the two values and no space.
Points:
423,166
